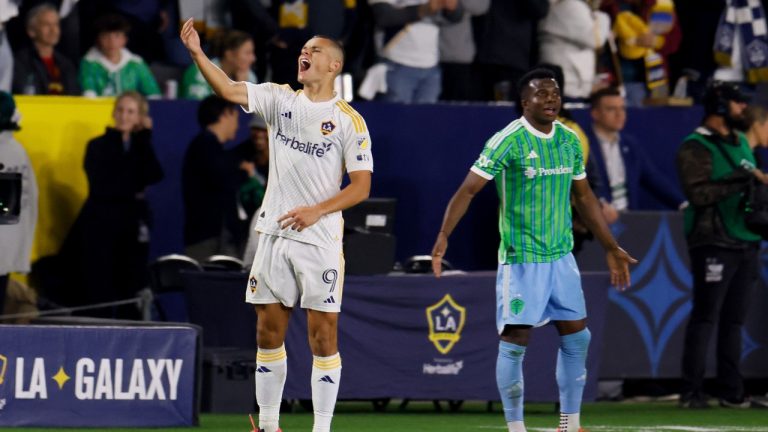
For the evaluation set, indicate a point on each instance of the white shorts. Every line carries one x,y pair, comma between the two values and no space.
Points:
286,270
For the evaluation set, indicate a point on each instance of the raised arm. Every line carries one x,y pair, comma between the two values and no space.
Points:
233,91
455,210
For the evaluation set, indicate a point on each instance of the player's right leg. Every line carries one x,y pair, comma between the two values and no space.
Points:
520,301
273,290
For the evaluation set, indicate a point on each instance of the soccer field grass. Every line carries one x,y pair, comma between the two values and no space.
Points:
598,417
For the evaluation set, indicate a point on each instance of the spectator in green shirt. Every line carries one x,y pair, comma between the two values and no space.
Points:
235,56
109,69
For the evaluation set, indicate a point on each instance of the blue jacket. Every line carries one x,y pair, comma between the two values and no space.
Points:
641,174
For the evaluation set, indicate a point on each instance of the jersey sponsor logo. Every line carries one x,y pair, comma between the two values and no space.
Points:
312,149
446,320
532,172
327,127
484,162
532,155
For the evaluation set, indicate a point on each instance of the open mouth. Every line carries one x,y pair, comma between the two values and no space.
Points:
550,111
304,65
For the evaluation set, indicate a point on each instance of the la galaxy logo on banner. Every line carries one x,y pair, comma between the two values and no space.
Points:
446,321
96,379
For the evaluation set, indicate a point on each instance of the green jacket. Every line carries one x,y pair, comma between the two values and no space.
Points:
194,85
100,77
730,180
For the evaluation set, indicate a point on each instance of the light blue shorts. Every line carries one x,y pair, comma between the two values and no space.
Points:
533,293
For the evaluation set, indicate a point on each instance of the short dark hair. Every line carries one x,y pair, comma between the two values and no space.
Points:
594,98
336,43
211,108
111,23
534,74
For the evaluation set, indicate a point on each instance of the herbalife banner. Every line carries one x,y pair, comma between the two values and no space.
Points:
97,376
403,336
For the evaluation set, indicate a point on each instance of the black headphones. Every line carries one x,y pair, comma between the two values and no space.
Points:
717,96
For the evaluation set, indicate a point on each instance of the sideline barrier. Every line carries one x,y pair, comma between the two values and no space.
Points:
412,337
98,376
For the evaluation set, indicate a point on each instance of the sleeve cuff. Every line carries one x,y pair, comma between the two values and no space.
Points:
481,173
581,176
249,88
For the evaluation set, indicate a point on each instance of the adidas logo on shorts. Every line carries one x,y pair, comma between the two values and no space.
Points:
329,300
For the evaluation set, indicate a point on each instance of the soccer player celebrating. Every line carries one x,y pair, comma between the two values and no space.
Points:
538,166
315,136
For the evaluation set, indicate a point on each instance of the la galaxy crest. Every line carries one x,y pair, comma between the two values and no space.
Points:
327,127
252,282
446,320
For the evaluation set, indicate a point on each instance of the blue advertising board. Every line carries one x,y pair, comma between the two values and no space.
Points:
76,376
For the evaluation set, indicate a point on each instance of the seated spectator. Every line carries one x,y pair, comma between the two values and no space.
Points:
109,69
209,190
39,69
623,165
120,165
569,36
236,59
16,239
408,39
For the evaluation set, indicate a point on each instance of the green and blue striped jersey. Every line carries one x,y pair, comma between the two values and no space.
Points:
533,173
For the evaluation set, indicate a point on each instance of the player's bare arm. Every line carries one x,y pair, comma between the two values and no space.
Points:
455,210
589,208
233,91
358,189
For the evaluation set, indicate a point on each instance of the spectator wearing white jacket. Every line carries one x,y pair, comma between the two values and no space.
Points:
569,36
16,239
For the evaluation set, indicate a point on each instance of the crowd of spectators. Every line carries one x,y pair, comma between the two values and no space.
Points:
411,51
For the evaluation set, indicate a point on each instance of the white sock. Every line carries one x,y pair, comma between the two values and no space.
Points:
516,426
569,422
271,369
326,374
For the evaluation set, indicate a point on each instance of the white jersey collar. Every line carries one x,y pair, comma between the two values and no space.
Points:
537,132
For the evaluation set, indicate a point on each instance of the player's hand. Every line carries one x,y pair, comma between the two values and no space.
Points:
618,263
190,38
299,218
438,252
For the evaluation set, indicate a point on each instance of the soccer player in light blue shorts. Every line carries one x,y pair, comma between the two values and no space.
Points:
538,166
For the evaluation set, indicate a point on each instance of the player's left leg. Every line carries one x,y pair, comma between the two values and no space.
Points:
326,367
571,371
320,272
567,309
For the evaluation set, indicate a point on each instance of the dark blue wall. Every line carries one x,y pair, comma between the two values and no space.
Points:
421,155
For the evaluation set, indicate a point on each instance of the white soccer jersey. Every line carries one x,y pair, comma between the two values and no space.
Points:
311,144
